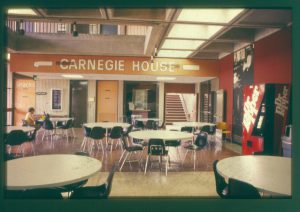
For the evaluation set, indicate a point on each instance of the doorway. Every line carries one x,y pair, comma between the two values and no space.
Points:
78,100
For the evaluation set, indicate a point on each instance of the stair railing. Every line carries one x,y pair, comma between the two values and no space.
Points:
183,103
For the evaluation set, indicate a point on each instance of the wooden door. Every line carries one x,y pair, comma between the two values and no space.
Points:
107,101
24,97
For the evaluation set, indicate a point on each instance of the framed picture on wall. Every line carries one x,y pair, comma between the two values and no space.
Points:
56,99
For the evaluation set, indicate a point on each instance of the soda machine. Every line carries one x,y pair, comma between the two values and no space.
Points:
265,117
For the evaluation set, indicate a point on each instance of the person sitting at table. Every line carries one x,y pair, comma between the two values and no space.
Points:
30,118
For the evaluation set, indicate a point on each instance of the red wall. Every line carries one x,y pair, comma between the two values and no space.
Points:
226,83
272,64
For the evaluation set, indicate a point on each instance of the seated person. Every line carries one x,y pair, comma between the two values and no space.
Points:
31,119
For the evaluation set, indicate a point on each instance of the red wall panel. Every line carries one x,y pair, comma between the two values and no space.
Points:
272,58
272,64
226,83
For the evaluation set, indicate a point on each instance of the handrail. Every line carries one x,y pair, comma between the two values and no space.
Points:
183,103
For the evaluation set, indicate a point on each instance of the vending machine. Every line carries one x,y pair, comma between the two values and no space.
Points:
265,117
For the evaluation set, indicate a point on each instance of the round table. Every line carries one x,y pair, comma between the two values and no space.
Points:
25,129
47,171
146,119
193,124
266,173
160,134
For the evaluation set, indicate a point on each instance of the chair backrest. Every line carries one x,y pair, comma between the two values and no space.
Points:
241,190
156,147
116,132
109,180
209,129
151,125
220,181
129,129
48,125
16,137
201,140
187,129
24,123
97,133
138,124
124,142
87,131
221,125
69,123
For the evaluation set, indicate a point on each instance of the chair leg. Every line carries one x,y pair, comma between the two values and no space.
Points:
43,135
102,148
167,164
146,164
178,153
185,156
32,148
124,161
122,156
194,160
82,147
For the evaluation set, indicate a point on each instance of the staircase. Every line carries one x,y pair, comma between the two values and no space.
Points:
174,111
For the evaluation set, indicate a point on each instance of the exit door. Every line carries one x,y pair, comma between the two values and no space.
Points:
78,100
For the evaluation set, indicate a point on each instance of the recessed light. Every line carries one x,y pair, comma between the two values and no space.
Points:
8,56
74,76
208,15
23,11
174,53
181,44
193,31
165,78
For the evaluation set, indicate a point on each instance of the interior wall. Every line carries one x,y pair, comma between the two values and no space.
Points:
272,64
43,102
179,88
91,111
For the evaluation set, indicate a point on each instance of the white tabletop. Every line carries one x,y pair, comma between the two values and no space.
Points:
107,124
160,134
45,171
25,129
192,124
146,119
266,173
63,119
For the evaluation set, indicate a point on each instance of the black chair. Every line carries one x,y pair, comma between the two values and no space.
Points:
129,129
221,185
42,193
65,127
241,190
187,129
25,123
151,125
97,135
129,150
199,144
116,135
10,156
95,192
87,132
16,138
70,187
156,147
210,130
48,129
139,124
174,143
162,126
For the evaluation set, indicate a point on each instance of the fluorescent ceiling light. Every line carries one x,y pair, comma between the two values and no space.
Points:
24,11
174,53
208,15
165,78
181,44
193,31
74,76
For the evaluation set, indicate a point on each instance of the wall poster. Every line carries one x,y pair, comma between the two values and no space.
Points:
56,99
242,75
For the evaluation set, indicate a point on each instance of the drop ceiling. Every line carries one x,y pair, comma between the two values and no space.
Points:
164,32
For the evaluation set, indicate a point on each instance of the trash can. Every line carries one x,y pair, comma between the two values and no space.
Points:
286,146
